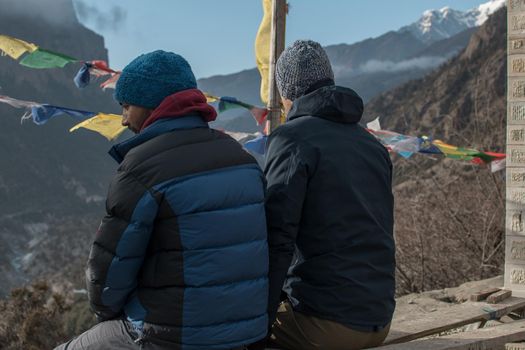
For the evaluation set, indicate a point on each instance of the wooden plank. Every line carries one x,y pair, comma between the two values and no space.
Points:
483,294
276,48
499,296
493,338
419,324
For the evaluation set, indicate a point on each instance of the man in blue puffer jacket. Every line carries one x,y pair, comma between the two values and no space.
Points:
180,260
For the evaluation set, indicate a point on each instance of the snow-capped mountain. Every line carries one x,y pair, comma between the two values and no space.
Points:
441,24
483,11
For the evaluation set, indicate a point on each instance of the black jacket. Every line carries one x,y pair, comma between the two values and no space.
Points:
330,206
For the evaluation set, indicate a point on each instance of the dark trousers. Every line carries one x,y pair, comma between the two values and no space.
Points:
296,331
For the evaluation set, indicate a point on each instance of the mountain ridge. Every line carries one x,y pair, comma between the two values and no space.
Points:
52,182
370,66
445,205
440,24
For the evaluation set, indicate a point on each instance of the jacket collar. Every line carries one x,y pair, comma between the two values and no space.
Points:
180,104
159,127
335,103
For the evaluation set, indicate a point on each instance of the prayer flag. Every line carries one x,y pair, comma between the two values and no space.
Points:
17,103
96,68
257,145
42,113
262,48
111,83
374,125
497,165
227,103
46,59
211,98
108,125
83,77
15,47
99,68
401,144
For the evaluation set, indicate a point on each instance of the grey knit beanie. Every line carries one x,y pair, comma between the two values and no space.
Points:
301,66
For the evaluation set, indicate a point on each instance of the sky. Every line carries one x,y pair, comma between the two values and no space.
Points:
217,37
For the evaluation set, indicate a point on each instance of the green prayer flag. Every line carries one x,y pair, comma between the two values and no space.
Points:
226,103
46,59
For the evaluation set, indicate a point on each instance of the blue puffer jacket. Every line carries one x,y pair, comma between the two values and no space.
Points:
182,251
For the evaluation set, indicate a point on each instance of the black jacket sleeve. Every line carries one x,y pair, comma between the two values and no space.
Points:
288,165
120,245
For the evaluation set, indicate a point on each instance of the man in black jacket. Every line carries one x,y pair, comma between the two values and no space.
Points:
329,212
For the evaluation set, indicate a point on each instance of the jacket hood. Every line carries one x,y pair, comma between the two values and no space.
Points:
335,103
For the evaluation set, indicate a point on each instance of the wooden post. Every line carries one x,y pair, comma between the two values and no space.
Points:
276,48
515,189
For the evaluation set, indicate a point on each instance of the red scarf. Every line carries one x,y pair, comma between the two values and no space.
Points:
183,103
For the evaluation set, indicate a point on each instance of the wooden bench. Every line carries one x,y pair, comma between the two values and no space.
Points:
418,323
493,338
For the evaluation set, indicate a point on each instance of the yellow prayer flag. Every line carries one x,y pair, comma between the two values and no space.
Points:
457,152
262,48
15,47
446,148
211,98
108,125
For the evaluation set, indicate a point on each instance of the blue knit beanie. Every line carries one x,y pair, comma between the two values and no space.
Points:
151,77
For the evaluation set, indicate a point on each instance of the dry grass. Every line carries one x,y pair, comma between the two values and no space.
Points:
36,318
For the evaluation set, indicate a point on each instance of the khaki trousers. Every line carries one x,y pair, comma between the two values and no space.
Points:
293,330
